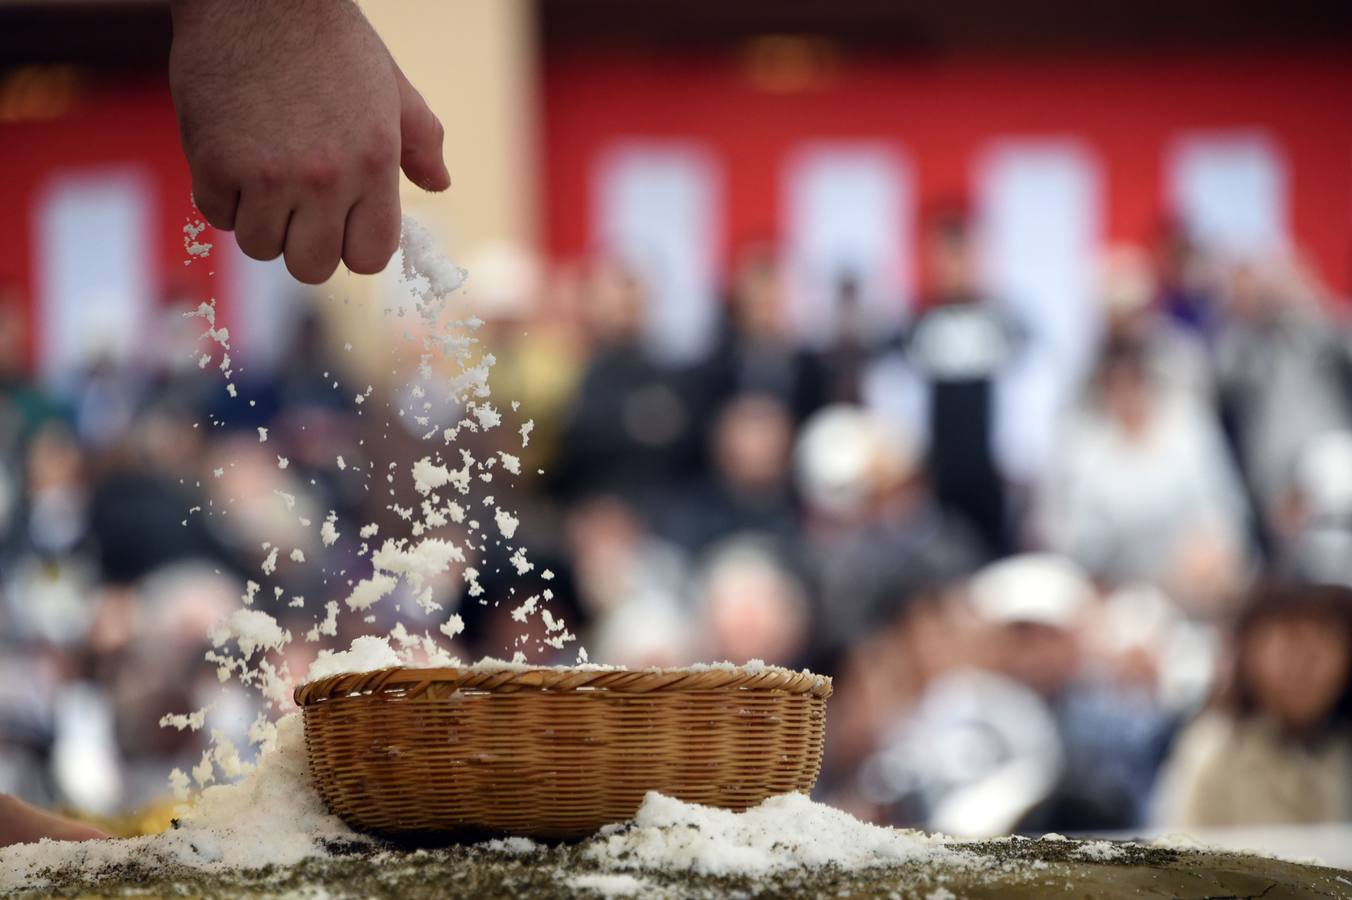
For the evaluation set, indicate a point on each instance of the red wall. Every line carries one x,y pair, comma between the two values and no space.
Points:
942,113
118,122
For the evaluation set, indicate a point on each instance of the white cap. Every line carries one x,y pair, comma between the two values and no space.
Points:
843,451
1324,473
1039,588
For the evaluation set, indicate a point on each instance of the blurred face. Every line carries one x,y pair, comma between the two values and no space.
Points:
1126,394
951,262
1043,657
603,535
614,305
751,445
758,295
755,614
1296,667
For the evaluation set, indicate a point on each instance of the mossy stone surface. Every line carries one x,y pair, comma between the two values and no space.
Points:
1008,870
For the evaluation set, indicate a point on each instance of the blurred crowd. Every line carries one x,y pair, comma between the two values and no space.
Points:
1152,628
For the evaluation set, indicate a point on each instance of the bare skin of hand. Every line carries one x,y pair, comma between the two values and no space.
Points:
296,121
24,824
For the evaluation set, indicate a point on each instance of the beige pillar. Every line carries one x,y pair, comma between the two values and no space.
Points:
475,63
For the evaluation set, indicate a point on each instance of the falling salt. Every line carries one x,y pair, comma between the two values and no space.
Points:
452,626
252,630
507,523
328,532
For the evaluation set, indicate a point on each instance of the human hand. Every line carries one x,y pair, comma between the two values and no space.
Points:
295,121
24,824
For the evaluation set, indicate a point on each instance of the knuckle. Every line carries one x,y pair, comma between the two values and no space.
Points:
268,175
380,155
319,173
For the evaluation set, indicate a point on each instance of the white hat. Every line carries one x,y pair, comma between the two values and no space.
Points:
1040,588
1324,473
844,450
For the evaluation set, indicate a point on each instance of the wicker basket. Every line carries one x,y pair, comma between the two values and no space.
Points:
554,753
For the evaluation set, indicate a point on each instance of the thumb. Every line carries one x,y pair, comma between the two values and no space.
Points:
420,140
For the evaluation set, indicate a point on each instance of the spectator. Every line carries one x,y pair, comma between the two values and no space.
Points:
747,487
1038,607
875,534
632,585
1144,489
958,347
632,430
751,605
1314,525
1275,745
1285,371
755,353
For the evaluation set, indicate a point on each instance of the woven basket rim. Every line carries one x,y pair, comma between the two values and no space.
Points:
411,681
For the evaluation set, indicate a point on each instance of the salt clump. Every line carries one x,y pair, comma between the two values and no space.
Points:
272,817
367,654
252,629
784,832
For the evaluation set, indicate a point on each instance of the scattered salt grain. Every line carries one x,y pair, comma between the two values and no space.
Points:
516,846
191,245
610,884
507,523
510,463
328,532
1100,851
424,266
252,629
452,626
369,590
262,434
428,476
191,721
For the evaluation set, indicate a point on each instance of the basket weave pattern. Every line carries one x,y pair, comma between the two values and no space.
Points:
554,752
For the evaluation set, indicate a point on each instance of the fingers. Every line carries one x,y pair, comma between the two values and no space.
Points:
420,140
372,232
216,201
314,240
261,224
